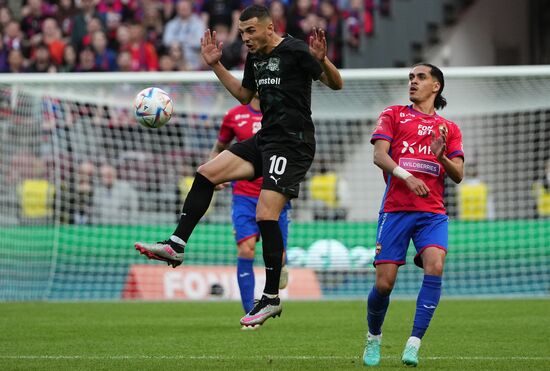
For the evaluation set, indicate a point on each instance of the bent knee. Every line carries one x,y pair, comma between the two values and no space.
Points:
246,251
203,170
207,172
247,247
266,217
434,268
385,287
264,213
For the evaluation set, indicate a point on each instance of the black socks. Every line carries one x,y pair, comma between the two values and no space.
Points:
196,203
272,240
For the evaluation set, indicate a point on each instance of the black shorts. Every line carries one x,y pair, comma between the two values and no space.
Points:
282,160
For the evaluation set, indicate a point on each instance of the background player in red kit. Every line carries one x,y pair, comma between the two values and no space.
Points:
241,123
415,148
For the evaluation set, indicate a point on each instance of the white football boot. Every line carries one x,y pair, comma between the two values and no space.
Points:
163,251
265,308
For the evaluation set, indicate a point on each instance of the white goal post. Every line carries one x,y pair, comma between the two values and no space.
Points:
62,237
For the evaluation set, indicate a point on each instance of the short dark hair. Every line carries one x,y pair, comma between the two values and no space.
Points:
254,11
440,101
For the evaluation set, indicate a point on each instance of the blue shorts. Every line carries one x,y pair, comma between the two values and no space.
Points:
396,229
243,213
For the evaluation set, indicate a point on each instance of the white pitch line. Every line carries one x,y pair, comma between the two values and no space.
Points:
277,357
484,358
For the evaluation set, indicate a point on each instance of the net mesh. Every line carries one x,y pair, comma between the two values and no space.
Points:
65,234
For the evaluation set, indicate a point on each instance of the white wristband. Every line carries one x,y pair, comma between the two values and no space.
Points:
401,173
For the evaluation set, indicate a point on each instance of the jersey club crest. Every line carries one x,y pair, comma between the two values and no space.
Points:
273,64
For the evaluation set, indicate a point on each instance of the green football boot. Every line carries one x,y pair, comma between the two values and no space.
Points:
410,354
371,355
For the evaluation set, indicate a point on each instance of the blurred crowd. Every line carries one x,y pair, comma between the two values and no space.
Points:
161,35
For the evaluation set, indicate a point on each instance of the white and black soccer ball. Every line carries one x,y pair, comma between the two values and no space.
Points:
153,107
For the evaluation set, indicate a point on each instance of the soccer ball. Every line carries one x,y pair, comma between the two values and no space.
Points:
153,107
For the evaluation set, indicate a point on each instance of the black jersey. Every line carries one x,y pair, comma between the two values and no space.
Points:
283,80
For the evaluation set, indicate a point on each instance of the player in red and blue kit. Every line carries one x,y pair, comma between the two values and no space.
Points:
241,123
416,148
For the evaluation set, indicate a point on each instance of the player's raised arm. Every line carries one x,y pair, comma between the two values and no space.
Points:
211,51
318,48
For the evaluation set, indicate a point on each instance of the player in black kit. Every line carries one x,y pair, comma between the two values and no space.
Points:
281,70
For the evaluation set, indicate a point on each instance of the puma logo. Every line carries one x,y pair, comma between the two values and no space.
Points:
275,179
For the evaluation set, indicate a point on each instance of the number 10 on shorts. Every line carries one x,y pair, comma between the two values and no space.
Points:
278,165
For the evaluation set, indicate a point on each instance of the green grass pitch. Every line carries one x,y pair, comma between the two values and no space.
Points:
464,335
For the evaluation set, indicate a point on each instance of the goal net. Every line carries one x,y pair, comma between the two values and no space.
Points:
81,181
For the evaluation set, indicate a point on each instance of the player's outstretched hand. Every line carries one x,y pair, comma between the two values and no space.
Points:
211,50
318,44
439,144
